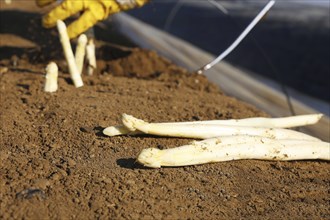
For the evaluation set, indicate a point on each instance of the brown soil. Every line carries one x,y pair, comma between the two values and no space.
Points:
56,164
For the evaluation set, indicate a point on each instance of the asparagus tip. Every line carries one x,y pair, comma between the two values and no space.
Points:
60,25
131,122
82,39
150,157
51,77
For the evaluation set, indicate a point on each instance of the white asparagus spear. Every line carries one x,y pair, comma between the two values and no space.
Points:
206,131
73,69
284,122
51,77
80,52
259,148
239,139
91,59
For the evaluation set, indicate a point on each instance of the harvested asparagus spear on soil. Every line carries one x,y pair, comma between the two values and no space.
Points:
80,52
235,148
73,69
51,77
205,131
91,59
284,122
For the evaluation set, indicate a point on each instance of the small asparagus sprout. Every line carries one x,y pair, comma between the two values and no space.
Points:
205,131
73,69
235,148
284,122
80,52
51,77
91,59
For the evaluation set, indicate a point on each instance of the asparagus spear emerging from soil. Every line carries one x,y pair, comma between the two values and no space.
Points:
91,59
80,52
235,148
73,69
205,131
51,77
284,122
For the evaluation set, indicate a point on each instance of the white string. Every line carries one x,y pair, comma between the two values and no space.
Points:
218,6
240,37
172,14
178,6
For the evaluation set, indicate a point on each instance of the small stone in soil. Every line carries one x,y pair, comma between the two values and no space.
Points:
29,193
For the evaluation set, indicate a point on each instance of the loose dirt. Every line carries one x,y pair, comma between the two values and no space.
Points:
57,164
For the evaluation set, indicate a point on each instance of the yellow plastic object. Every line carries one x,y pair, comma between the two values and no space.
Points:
93,11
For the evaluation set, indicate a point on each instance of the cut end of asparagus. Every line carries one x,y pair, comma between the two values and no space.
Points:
302,120
51,77
131,122
116,130
150,157
119,130
318,116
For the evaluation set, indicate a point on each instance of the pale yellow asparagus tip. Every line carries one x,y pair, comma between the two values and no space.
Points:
80,52
150,157
65,41
91,59
51,77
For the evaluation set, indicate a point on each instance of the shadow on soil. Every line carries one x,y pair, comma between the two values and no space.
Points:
129,163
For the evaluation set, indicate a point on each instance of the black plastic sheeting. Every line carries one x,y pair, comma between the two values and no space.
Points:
290,45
